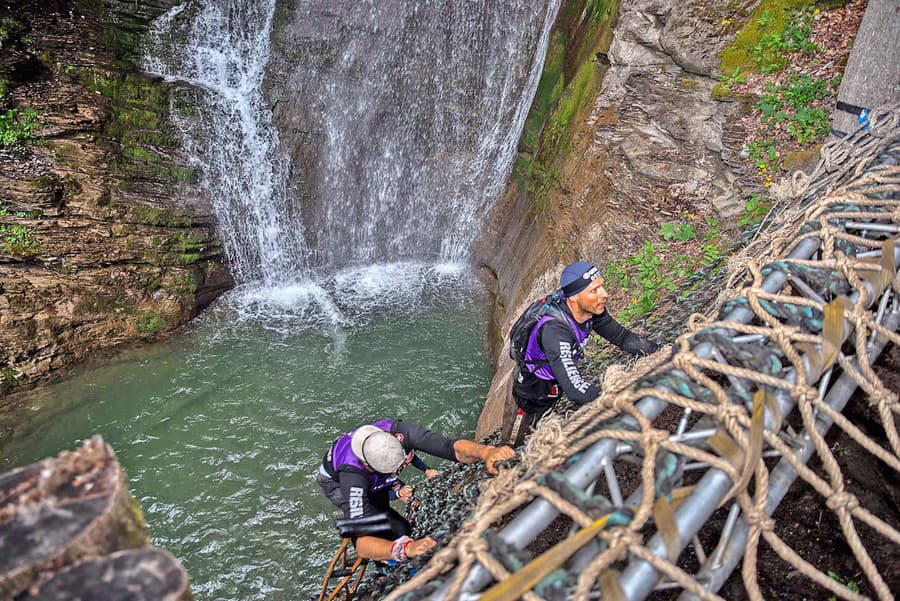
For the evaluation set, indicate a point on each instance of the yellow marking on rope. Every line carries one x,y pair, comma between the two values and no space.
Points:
666,525
815,360
609,586
757,425
680,494
888,269
722,443
832,331
525,579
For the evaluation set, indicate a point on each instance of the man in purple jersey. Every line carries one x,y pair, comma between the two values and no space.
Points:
555,346
362,467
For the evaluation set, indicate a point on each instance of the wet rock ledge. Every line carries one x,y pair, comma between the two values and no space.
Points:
103,238
70,529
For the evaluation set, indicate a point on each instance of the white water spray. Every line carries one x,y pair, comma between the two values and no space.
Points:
222,48
422,108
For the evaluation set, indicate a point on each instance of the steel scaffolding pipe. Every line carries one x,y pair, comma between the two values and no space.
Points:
713,574
540,513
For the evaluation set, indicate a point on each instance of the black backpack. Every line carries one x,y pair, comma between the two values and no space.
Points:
521,330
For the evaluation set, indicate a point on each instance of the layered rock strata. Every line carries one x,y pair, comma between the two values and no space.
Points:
102,238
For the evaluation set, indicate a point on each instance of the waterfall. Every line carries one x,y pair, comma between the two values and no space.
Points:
419,106
222,48
422,105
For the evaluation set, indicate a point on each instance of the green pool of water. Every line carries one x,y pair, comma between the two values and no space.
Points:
222,427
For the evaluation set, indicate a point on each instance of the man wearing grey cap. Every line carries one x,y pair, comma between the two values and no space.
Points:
362,468
548,341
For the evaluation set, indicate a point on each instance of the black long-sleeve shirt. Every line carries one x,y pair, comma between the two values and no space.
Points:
561,347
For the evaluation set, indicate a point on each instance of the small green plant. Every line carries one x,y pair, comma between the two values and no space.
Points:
8,379
728,81
7,26
765,156
681,232
149,322
792,102
19,240
615,274
16,127
850,584
781,36
754,210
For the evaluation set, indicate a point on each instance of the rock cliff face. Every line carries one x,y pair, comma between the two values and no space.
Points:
99,244
649,144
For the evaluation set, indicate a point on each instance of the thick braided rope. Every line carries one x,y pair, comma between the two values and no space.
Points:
787,321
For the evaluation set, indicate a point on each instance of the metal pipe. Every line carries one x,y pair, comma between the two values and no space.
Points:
540,513
714,576
637,580
873,227
805,289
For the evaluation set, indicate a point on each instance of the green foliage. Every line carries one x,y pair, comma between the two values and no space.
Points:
710,245
850,584
149,322
780,36
537,180
651,281
728,81
569,81
599,9
8,379
19,239
7,28
16,128
754,210
648,276
769,17
791,102
682,232
765,156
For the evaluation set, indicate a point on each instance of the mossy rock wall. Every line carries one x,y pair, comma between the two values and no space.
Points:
105,237
623,135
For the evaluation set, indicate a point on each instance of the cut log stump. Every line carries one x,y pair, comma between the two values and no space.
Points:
135,575
70,509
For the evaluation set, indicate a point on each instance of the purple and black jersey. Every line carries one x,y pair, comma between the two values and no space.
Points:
359,485
554,350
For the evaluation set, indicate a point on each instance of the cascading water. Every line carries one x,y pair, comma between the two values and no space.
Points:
419,107
222,49
222,427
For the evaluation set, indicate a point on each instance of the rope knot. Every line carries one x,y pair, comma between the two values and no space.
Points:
620,539
842,500
471,546
761,519
730,413
804,394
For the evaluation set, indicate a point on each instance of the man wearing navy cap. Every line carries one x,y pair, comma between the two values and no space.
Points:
555,346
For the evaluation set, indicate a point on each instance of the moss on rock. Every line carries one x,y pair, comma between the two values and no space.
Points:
572,75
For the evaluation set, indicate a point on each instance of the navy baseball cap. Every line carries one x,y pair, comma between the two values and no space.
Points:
576,277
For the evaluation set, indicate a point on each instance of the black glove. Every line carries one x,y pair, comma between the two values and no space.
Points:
635,344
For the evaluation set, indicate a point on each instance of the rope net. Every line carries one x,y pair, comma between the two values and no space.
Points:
673,476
